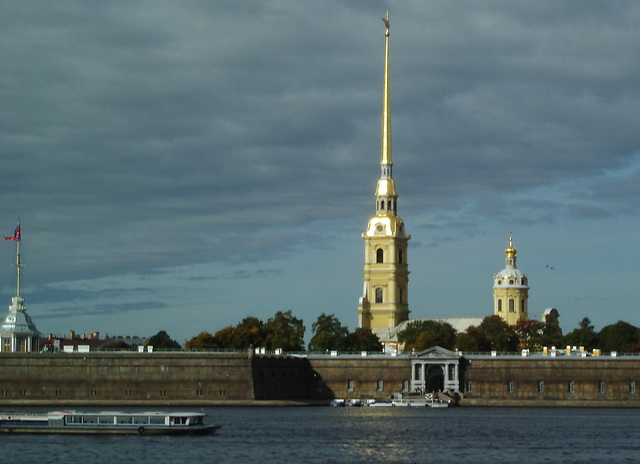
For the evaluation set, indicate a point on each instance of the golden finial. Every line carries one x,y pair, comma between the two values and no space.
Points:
386,23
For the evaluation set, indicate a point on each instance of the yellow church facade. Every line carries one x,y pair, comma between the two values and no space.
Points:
385,299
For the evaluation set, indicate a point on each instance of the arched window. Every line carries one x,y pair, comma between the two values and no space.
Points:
401,295
378,295
379,255
400,256
382,204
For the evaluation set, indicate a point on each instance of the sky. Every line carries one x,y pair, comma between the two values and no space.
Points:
180,166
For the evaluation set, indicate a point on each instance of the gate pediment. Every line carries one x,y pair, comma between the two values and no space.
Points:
437,352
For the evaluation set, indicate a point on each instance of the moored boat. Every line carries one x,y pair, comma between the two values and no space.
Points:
107,422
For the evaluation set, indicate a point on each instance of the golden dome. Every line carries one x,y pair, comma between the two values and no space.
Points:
510,250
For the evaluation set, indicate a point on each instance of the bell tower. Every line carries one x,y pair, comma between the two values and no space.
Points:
511,290
384,302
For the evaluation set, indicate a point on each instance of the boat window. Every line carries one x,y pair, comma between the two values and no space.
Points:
105,420
124,420
156,420
140,420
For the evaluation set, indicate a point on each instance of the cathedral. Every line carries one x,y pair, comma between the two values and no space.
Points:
384,304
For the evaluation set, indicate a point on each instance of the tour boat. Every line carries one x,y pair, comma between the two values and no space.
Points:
106,422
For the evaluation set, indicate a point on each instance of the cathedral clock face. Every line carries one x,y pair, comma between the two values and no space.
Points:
379,228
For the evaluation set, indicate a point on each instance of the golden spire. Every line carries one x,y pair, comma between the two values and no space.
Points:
386,107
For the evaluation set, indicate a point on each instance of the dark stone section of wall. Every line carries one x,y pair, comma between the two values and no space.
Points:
282,378
366,375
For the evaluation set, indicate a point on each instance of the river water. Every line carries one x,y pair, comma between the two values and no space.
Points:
363,435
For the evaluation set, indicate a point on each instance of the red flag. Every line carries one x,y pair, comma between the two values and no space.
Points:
16,235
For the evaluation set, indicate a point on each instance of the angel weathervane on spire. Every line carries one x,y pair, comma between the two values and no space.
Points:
386,22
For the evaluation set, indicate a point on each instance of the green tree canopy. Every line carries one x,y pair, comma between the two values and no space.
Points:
420,335
284,331
529,334
499,334
162,341
203,341
363,340
472,341
584,335
328,334
251,331
620,336
118,345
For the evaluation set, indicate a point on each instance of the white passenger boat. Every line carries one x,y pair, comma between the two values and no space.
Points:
105,422
428,401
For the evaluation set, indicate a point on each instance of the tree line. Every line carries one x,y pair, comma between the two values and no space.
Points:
285,331
494,334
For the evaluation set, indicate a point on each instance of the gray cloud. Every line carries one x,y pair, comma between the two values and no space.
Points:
154,135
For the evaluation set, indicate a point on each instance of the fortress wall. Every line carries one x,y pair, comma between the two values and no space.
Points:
334,373
201,378
489,380
124,377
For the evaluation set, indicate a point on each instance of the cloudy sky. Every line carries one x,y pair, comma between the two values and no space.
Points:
182,165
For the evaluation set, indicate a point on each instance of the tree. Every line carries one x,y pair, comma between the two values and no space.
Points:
472,341
203,341
529,333
620,336
118,345
162,341
284,331
551,335
329,334
363,340
250,331
499,334
420,335
583,336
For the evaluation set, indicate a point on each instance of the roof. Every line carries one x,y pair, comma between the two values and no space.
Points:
460,324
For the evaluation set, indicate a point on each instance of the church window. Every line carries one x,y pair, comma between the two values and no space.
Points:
571,387
379,386
601,387
401,295
540,386
469,385
522,305
510,386
512,306
379,255
400,253
350,386
499,282
499,306
632,387
511,282
382,204
378,295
